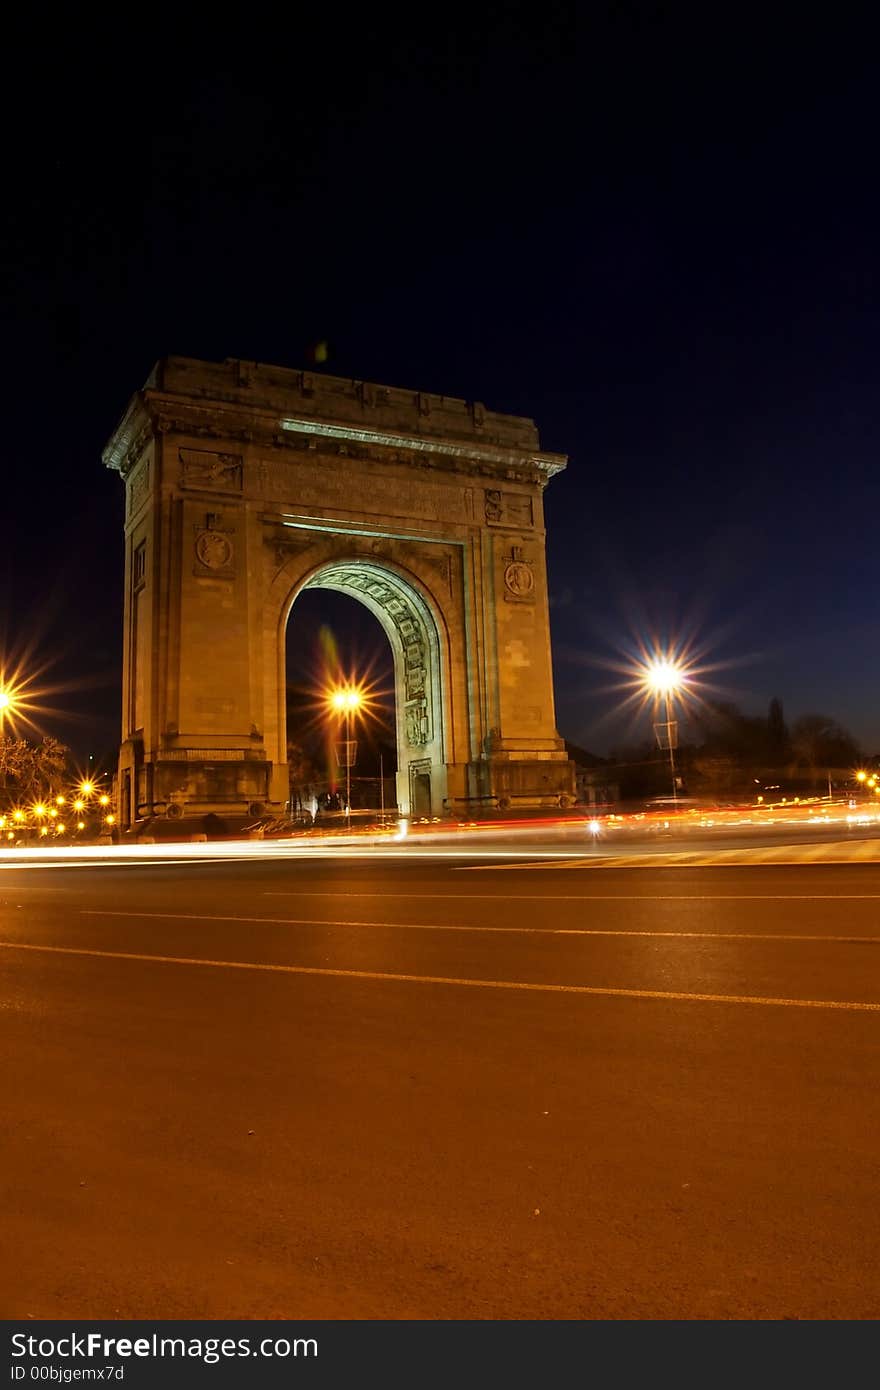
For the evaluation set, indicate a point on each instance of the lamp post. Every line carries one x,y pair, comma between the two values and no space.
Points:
7,705
346,702
664,678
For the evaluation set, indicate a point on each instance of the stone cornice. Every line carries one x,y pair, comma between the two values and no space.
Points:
154,411
479,453
128,440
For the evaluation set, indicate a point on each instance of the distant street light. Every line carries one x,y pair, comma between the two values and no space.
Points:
663,677
7,710
9,704
5,702
345,703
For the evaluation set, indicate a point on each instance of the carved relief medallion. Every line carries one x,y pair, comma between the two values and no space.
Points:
519,580
213,549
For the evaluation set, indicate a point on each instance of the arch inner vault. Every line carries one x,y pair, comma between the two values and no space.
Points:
413,634
247,484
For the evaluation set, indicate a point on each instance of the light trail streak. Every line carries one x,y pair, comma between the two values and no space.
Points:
661,834
119,856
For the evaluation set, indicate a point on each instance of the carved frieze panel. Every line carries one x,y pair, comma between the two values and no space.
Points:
508,508
138,487
416,724
200,468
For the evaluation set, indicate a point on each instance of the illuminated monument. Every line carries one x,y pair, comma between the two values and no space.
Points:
246,484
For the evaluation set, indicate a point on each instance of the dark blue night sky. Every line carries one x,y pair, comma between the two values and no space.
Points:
657,237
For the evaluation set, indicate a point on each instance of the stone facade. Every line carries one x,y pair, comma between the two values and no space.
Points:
246,484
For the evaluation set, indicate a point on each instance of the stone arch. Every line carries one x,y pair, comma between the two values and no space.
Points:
417,635
245,482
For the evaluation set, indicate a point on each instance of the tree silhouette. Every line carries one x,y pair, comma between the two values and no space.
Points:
818,741
778,738
303,774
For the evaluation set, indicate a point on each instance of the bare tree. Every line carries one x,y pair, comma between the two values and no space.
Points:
32,770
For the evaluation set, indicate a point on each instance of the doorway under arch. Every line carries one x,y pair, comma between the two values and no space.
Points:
414,636
333,644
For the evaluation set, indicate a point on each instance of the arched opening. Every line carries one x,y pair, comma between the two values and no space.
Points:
333,643
357,624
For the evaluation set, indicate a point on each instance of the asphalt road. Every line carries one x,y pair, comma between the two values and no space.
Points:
393,1088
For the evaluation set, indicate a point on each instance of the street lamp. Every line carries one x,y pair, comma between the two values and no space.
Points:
664,678
10,704
5,704
346,702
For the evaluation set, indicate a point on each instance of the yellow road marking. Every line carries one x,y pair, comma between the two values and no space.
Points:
525,986
588,897
464,927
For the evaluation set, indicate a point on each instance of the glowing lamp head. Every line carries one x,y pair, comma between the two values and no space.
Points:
345,701
87,787
5,700
664,677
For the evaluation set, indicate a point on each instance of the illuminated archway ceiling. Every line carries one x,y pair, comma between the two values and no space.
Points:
404,624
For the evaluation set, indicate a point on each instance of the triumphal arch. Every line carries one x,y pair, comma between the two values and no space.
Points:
246,484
